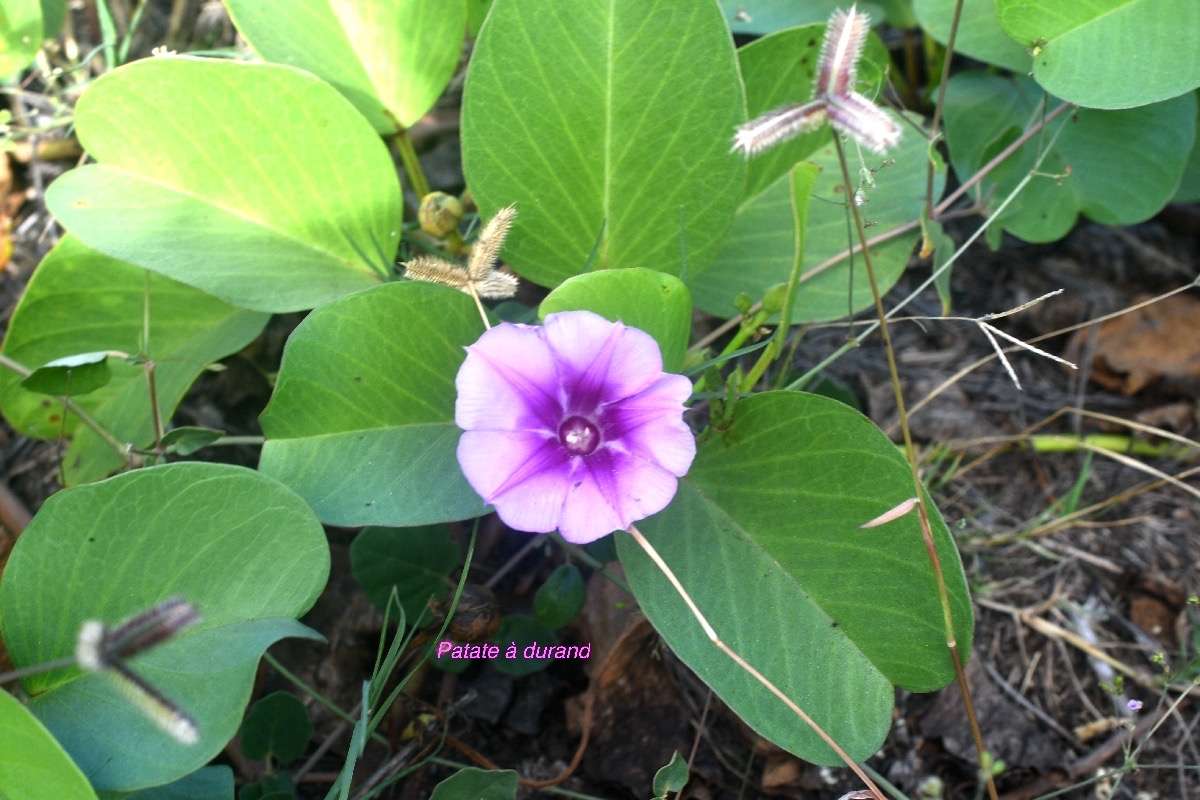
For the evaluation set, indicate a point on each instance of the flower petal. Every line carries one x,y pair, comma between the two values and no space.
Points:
587,347
650,425
615,490
524,475
517,386
508,382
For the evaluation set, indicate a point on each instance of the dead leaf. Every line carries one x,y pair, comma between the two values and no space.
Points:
1159,341
1155,604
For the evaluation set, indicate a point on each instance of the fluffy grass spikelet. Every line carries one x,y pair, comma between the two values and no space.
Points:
845,37
480,277
834,98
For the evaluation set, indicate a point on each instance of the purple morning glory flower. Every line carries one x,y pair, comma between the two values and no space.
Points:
572,425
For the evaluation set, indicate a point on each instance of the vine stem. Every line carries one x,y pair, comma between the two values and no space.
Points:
941,101
711,633
776,345
911,456
25,672
412,165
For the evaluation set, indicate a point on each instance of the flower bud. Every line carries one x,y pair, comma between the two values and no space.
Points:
439,213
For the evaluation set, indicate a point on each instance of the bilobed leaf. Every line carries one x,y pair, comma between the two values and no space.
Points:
1189,184
477,783
278,726
525,633
476,13
206,783
979,33
617,122
391,58
33,765
79,300
53,14
560,598
764,535
362,420
20,34
1117,167
1108,53
770,16
652,301
244,549
257,183
417,562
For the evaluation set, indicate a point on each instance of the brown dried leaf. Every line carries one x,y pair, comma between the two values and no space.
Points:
1159,341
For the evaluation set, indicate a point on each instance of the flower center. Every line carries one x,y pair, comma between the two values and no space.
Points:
580,436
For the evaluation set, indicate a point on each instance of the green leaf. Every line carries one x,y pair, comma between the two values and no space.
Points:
277,786
1189,184
654,302
206,783
979,33
1116,167
477,784
362,420
20,35
477,11
769,16
277,726
33,765
560,598
390,58
621,116
1108,53
672,777
416,561
189,439
529,636
765,536
257,183
70,375
778,71
943,249
79,300
761,247
244,549
53,13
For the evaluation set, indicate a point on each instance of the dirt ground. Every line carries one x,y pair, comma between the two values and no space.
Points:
1081,553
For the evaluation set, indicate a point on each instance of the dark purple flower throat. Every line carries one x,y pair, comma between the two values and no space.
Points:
579,435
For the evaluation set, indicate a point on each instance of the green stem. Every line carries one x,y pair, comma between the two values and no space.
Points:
155,411
108,32
744,332
775,348
1116,443
412,164
24,672
227,441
